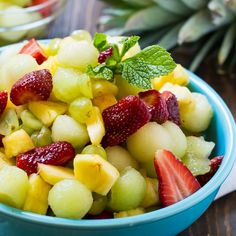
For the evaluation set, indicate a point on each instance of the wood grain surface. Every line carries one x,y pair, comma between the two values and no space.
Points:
220,218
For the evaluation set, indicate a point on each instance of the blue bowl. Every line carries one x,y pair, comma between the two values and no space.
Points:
166,221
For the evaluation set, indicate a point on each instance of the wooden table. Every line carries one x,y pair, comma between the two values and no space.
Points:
220,218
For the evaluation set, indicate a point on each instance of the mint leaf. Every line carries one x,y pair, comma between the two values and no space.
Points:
151,62
129,43
100,41
100,72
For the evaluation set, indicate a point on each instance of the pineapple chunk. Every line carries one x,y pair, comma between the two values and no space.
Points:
95,126
53,174
132,212
18,109
5,161
47,111
178,76
37,196
51,64
104,101
94,172
16,143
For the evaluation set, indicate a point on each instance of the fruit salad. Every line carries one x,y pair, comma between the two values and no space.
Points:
94,128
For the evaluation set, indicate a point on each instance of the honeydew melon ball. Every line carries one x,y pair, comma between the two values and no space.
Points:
70,199
15,69
14,185
143,144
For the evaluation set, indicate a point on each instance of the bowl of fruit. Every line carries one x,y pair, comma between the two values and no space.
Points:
99,137
21,19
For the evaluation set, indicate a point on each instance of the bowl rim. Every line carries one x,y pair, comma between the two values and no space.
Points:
204,192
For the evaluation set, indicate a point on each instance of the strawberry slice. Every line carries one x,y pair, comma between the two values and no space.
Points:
215,164
176,182
33,48
34,86
123,119
58,154
156,105
3,101
172,106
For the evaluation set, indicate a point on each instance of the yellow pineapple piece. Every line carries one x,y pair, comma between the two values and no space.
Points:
101,87
16,143
53,174
5,161
132,212
37,196
104,101
47,111
178,76
95,172
51,64
18,109
95,126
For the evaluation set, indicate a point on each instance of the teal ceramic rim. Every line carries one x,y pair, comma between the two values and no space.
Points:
204,192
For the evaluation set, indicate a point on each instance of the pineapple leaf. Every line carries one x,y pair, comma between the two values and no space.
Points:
195,4
227,44
170,39
177,7
150,62
196,26
150,18
204,50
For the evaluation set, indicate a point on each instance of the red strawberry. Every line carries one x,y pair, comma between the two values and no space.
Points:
34,86
46,10
3,101
123,119
33,48
104,55
215,164
59,153
176,182
102,216
172,106
156,105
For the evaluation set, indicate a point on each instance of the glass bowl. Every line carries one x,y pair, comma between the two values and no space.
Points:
18,23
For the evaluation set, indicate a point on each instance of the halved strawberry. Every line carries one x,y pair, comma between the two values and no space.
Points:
176,182
172,106
123,119
156,105
58,154
34,86
215,164
34,49
3,101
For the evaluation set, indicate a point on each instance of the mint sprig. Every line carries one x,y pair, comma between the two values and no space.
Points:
138,70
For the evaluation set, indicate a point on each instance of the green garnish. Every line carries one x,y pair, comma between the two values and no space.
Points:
138,70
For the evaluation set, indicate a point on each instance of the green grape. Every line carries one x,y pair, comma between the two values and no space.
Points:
149,168
93,149
30,121
66,85
102,87
70,199
197,153
143,144
79,109
28,130
8,122
42,137
14,185
81,35
67,129
14,16
85,86
15,68
99,204
128,191
120,158
77,54
132,212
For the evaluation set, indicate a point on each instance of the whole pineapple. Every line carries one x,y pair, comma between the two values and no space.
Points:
174,22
